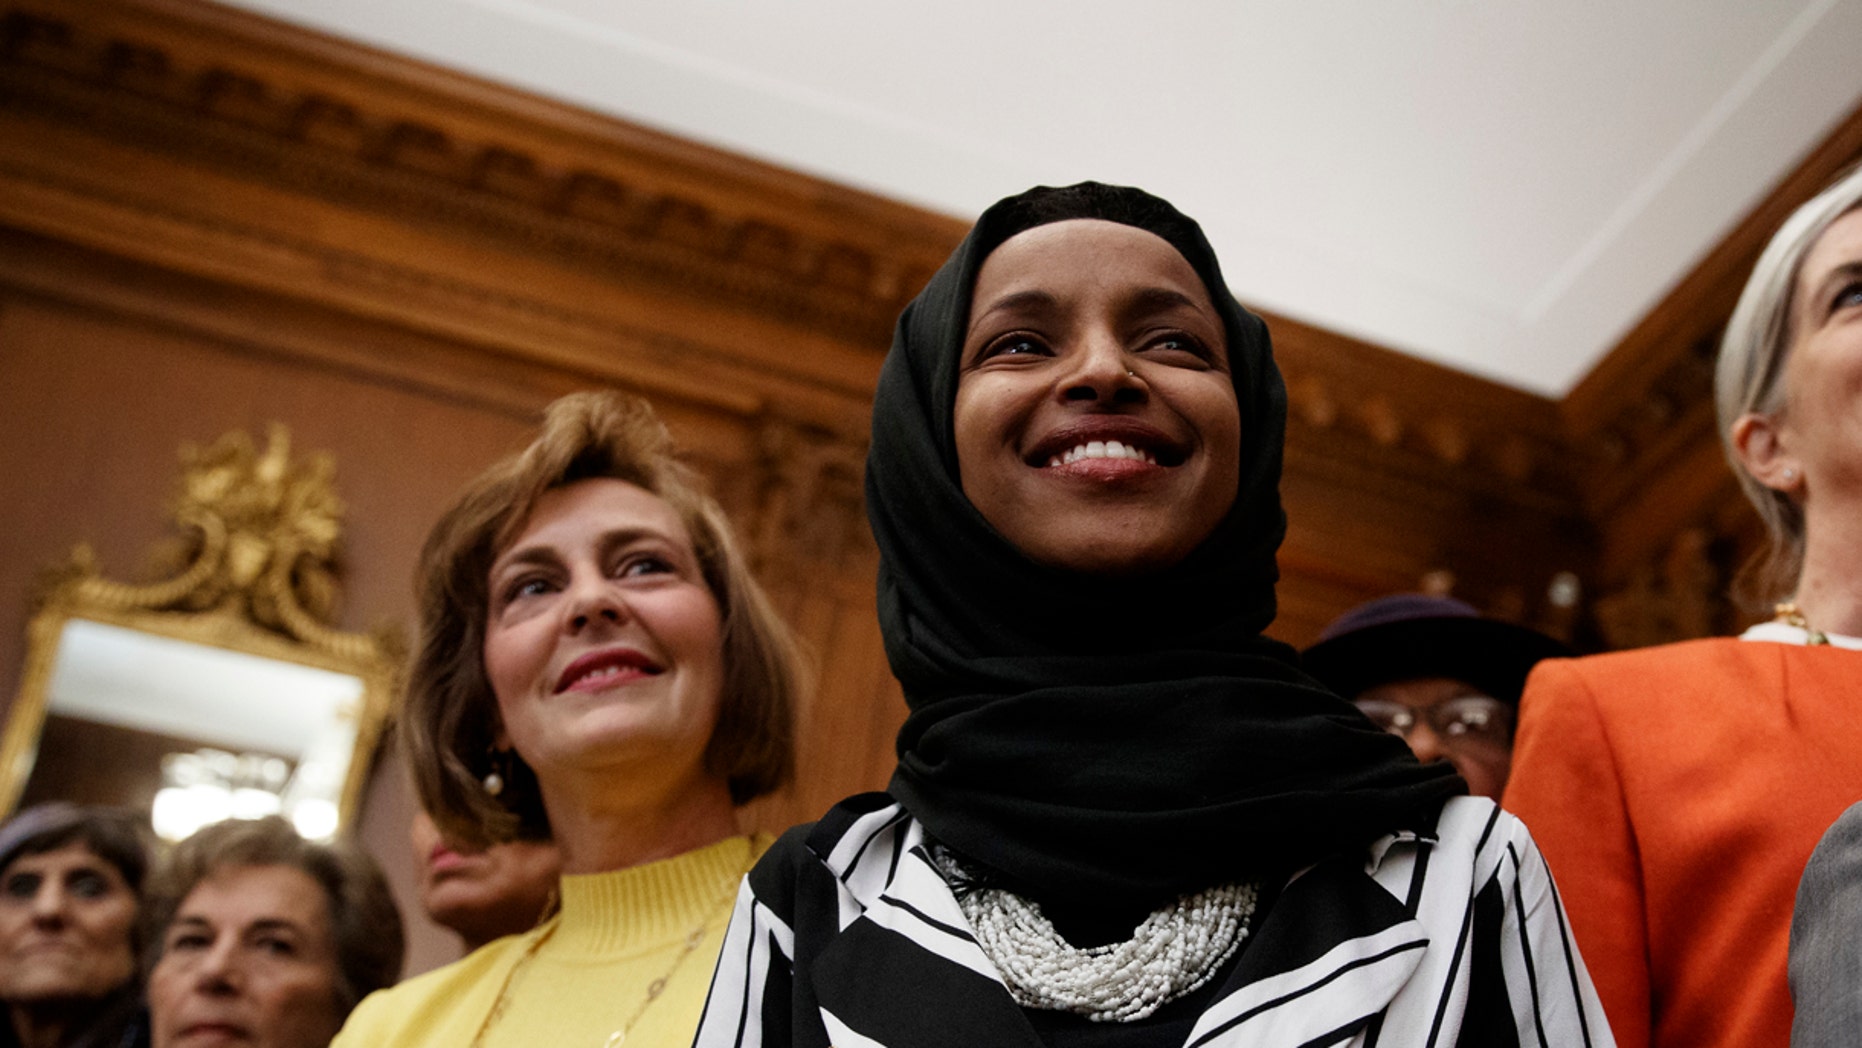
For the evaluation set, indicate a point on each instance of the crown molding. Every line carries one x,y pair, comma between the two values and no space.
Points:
241,94
1436,426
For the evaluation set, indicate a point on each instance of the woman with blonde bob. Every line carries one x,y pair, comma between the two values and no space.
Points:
1678,791
598,666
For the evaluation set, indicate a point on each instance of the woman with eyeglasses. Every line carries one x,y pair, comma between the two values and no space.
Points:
1434,671
1678,791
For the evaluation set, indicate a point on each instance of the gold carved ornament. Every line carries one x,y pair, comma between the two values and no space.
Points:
254,570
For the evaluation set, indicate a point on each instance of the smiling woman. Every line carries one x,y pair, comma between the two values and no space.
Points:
1082,306
597,667
633,689
1121,817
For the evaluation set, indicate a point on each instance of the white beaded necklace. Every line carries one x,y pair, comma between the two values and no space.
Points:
1171,953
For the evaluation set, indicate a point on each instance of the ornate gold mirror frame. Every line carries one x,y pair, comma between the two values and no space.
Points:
249,601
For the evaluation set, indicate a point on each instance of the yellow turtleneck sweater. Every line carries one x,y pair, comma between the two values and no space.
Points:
583,975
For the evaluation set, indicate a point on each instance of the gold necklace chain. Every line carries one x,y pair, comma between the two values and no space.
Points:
693,940
1788,613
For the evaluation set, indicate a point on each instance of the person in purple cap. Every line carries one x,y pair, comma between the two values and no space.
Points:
1434,671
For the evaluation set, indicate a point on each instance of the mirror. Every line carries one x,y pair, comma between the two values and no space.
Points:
221,690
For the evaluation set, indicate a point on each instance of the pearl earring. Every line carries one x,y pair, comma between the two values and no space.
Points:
494,779
1790,474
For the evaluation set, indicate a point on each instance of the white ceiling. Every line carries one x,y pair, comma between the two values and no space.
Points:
1502,186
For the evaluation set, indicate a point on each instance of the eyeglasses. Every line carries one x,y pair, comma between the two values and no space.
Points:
1466,720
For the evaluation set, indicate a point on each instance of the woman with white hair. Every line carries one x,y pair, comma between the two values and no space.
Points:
1678,791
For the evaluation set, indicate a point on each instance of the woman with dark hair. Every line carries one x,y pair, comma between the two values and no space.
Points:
1681,789
1121,816
264,938
599,668
70,890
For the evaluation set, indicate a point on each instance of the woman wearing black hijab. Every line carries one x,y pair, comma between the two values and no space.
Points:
1120,816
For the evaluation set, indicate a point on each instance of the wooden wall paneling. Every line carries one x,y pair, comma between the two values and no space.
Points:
813,549
1397,470
551,314
850,715
435,142
1349,542
222,234
100,407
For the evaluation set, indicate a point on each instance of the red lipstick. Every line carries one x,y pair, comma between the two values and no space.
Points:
592,669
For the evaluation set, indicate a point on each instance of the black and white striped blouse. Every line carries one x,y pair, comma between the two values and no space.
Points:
845,934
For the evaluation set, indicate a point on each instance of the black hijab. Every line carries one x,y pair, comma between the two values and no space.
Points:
1087,738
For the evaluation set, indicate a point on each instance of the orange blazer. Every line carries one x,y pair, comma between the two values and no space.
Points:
1677,793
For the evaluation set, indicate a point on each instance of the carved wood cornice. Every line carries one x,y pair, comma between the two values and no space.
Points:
1436,426
811,514
237,93
553,334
